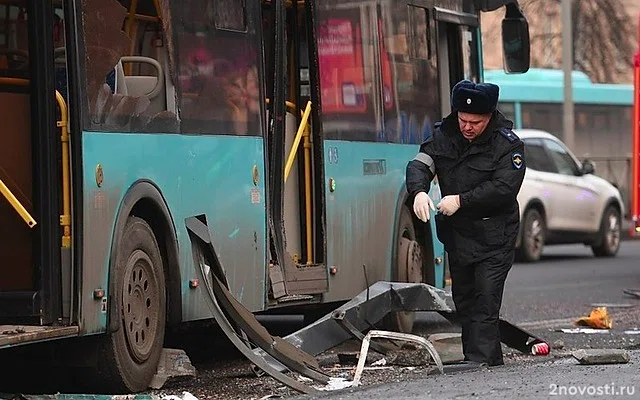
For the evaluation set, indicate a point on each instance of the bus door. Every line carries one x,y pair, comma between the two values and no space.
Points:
30,163
457,42
297,273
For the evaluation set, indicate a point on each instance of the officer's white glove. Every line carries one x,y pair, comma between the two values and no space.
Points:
421,205
449,204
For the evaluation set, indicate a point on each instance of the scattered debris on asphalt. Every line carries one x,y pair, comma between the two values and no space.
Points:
582,330
601,356
613,305
174,364
598,318
632,292
185,396
432,353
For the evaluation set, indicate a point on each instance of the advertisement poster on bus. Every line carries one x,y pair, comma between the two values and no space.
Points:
341,66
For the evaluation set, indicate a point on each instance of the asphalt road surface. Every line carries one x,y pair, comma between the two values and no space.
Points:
543,298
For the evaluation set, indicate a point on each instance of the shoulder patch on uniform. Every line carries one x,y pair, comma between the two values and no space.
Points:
509,135
517,160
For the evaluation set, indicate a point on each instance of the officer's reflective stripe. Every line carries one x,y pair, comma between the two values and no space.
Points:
426,160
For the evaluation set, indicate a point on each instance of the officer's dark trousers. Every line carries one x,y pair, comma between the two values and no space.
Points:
477,293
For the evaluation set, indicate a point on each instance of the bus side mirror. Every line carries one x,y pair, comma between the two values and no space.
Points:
515,41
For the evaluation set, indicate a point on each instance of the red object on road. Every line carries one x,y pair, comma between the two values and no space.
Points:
540,349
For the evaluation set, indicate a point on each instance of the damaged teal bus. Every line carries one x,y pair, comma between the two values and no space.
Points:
284,127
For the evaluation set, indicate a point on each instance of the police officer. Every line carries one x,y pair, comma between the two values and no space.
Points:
480,166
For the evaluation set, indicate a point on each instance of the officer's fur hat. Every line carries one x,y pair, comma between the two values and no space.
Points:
474,98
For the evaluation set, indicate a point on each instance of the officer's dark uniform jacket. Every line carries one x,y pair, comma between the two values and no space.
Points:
487,174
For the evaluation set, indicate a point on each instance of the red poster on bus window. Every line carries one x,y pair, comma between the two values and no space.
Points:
341,66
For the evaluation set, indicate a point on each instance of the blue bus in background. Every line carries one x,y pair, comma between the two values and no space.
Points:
602,116
279,130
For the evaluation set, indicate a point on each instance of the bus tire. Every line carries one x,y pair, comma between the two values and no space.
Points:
409,255
133,351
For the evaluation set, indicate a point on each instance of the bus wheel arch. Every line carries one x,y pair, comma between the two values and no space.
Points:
142,284
145,201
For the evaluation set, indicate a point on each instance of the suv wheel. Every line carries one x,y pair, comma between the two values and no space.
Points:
609,240
533,232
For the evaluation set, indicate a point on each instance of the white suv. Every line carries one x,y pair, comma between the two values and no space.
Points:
562,202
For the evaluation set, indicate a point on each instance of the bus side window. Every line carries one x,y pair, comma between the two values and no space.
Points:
219,69
125,93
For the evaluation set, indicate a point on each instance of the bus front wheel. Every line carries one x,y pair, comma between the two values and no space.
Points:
132,352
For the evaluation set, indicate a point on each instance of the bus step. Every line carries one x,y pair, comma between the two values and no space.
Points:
12,335
301,279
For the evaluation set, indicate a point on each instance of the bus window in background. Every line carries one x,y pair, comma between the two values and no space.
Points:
348,71
508,109
547,117
125,96
468,48
407,46
219,86
14,45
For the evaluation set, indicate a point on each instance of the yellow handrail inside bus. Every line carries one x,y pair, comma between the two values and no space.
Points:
129,30
65,218
303,132
296,141
130,25
17,205
307,188
291,106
